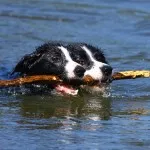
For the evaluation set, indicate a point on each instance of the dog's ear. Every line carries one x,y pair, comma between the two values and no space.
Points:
26,63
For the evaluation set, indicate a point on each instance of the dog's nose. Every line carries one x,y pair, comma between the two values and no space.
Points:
79,71
107,70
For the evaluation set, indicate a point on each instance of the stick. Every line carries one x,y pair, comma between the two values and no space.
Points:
131,74
87,80
30,79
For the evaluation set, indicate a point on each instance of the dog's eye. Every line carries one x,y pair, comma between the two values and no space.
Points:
55,59
100,58
81,62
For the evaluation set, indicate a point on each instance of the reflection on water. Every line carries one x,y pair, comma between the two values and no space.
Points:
82,107
61,109
70,119
35,110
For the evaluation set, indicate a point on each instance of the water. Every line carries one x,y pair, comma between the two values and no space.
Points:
119,119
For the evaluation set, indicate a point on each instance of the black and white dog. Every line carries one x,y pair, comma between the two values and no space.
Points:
66,60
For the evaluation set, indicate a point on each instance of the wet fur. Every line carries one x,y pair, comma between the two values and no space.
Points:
49,58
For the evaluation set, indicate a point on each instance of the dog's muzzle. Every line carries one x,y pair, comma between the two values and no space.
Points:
107,70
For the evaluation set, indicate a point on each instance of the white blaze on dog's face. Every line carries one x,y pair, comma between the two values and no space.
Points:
99,70
68,61
73,69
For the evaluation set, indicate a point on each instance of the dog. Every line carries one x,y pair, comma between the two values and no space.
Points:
68,61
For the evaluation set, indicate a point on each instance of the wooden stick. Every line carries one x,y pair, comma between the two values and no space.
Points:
131,74
50,79
30,79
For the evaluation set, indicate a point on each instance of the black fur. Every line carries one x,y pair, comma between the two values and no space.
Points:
49,59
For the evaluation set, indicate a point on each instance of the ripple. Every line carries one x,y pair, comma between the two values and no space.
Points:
35,17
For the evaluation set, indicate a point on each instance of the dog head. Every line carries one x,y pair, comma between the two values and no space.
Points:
68,61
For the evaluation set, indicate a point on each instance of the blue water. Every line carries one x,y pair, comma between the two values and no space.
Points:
118,119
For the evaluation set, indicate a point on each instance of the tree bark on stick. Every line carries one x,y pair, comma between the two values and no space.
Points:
50,79
131,74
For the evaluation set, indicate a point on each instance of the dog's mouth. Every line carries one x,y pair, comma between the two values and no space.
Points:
66,89
106,80
72,87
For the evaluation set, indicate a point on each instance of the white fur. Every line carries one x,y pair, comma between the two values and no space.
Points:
70,65
95,71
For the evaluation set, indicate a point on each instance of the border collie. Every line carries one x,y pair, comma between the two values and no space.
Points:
69,61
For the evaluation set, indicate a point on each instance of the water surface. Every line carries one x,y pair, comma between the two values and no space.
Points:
118,119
